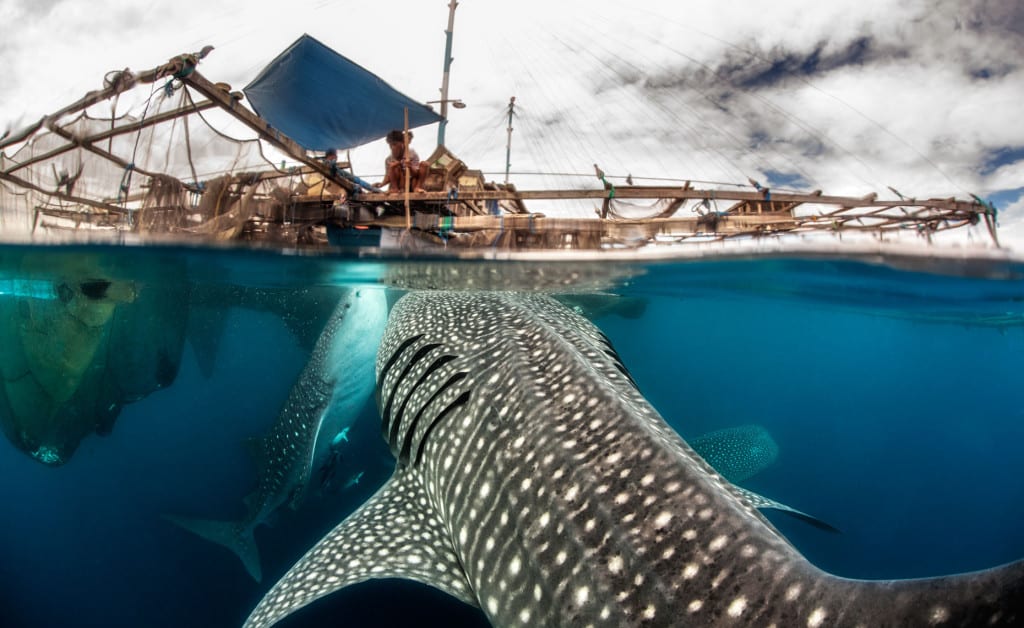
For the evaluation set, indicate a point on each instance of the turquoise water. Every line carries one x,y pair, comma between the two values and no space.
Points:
894,397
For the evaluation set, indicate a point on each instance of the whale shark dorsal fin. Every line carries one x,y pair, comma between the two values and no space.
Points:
394,534
760,501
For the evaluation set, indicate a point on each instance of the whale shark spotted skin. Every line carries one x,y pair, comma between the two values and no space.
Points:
535,481
330,392
739,452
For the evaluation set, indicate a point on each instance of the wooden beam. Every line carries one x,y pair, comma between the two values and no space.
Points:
124,128
58,194
153,119
539,223
102,153
290,147
639,192
90,99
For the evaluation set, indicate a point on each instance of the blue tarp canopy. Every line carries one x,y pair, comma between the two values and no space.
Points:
322,100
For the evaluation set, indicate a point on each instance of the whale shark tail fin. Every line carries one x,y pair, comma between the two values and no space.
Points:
237,538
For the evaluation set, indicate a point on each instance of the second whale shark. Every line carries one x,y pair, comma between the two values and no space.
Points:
331,390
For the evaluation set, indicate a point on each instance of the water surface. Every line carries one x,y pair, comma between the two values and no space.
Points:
894,397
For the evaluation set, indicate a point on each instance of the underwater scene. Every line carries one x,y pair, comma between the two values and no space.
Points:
152,406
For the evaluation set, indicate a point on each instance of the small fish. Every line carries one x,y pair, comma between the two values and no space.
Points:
354,480
342,436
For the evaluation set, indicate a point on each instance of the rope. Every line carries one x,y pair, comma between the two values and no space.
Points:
125,182
608,185
453,195
501,232
990,209
126,179
188,150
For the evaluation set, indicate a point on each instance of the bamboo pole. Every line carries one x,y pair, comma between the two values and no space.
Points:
643,192
124,82
124,128
508,142
102,153
447,71
58,194
405,165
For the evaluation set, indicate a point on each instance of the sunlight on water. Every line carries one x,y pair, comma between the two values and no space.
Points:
27,288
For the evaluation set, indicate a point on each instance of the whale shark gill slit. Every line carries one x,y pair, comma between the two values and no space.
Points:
626,374
398,352
616,359
423,350
459,401
384,372
410,432
397,421
387,417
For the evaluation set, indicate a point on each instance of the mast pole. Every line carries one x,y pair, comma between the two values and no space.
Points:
508,144
447,67
405,171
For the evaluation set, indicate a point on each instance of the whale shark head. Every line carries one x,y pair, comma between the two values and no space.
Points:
534,480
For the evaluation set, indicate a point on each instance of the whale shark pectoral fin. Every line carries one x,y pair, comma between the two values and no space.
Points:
760,501
393,535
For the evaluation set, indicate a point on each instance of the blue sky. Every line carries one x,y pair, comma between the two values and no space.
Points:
849,96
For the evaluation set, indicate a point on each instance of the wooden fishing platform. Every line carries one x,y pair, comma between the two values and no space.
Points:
72,171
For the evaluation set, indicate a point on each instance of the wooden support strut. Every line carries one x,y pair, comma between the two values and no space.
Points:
292,148
638,192
102,153
124,128
125,82
539,223
114,209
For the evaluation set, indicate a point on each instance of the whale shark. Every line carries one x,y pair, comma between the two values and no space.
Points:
739,452
329,394
534,480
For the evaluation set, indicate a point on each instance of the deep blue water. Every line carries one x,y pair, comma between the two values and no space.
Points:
894,396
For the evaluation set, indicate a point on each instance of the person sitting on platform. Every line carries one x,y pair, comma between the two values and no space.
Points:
316,184
331,158
396,163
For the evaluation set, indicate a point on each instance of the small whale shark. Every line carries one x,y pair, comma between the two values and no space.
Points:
328,396
535,481
741,452
738,453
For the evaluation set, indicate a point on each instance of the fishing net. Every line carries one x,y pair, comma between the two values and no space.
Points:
147,158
